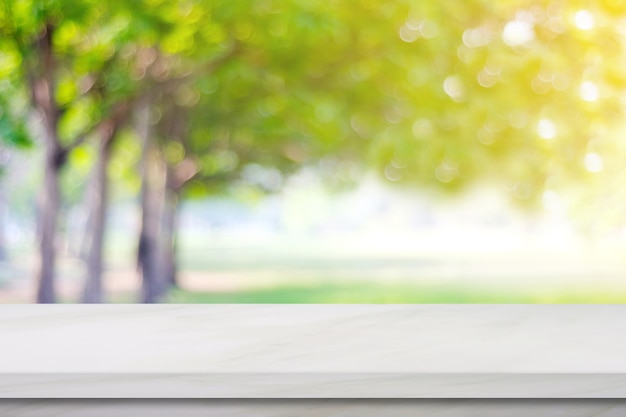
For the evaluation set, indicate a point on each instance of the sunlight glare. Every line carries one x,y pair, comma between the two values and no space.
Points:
593,162
546,129
518,33
584,20
589,91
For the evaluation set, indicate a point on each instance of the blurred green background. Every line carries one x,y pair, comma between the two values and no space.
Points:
312,152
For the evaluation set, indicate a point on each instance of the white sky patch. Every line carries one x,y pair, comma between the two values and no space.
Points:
589,91
584,20
593,162
546,129
517,33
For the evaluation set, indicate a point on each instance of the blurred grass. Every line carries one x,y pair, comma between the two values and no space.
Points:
297,273
329,276
377,293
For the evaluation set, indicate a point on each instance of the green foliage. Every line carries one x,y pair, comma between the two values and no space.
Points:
434,94
518,93
13,133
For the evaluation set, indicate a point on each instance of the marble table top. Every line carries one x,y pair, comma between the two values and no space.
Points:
312,351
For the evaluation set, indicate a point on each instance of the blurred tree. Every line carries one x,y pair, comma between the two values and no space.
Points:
63,50
98,204
124,86
248,88
438,95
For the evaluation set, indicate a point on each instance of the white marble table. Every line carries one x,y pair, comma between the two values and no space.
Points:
312,351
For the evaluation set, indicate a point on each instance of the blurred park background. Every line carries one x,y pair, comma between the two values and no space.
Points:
302,151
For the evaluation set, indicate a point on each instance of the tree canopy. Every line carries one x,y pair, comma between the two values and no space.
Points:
527,94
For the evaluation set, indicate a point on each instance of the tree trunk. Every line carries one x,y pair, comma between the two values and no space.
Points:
170,224
148,253
98,207
43,90
177,174
48,218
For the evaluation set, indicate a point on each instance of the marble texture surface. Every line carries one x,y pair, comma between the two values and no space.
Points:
312,351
